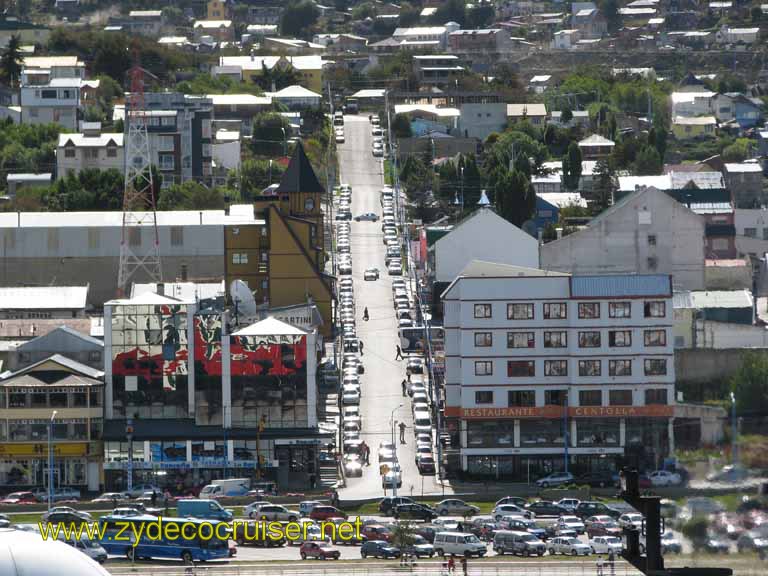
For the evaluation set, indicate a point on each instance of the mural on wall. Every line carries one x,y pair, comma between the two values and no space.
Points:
149,342
269,355
208,344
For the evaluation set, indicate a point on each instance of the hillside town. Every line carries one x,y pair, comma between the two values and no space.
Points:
518,250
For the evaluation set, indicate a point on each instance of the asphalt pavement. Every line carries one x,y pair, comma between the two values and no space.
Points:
382,403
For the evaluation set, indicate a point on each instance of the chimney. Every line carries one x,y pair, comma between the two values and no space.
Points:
184,273
160,289
559,232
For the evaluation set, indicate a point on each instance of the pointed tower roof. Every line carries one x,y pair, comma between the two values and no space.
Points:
299,176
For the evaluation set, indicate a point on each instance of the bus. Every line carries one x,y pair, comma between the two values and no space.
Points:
184,549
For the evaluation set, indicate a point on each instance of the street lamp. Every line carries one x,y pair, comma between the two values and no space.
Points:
462,188
285,141
734,426
565,430
50,460
395,461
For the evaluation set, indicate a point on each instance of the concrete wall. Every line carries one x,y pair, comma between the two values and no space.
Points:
444,147
725,335
702,365
618,242
479,120
728,277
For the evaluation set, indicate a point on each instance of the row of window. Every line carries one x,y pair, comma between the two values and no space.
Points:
89,153
559,339
587,310
527,398
242,257
559,367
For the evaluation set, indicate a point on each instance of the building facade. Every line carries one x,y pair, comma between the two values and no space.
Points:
89,149
536,360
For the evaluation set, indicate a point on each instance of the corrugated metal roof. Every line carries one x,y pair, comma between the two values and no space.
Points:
621,285
722,299
682,300
43,297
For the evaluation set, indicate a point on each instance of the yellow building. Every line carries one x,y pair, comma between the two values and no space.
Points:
73,393
283,261
309,69
685,128
219,9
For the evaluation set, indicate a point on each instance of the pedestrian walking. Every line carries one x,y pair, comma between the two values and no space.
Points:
361,348
451,564
464,565
398,353
402,432
312,481
612,562
404,384
154,498
599,566
365,314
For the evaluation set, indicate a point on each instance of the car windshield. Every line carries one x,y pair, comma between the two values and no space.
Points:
529,538
573,541
471,539
613,540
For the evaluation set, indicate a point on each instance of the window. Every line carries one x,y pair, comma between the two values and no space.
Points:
49,94
239,258
166,143
91,153
619,338
620,397
589,339
167,162
555,310
655,309
483,368
651,239
765,233
521,368
589,368
656,396
483,339
93,238
134,236
590,398
177,236
484,397
655,337
556,339
69,152
723,243
750,232
482,310
655,366
111,152
94,356
555,397
555,368
521,398
620,309
520,311
309,205
520,340
588,310
652,262
264,256
620,367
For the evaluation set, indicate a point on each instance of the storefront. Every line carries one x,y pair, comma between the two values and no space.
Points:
25,465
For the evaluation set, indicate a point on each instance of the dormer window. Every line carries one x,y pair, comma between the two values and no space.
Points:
309,204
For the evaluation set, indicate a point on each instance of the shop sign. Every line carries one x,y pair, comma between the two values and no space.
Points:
297,441
41,449
654,411
185,465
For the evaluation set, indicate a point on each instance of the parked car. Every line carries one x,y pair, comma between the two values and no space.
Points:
379,549
319,550
519,524
19,498
420,547
516,500
139,489
604,544
388,504
510,510
546,508
752,540
522,543
592,508
455,507
664,478
275,512
718,545
426,464
631,521
597,479
460,544
670,544
414,511
61,494
602,526
568,503
323,512
555,479
111,497
376,532
571,523
569,546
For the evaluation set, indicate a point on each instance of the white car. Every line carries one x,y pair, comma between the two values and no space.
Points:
395,270
555,479
392,477
386,452
568,545
664,478
510,510
631,520
277,513
604,544
253,507
454,507
571,523
371,274
351,397
339,138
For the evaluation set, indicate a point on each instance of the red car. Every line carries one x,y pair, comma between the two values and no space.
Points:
602,526
319,550
376,532
326,513
19,498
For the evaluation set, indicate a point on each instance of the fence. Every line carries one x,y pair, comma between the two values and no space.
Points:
587,567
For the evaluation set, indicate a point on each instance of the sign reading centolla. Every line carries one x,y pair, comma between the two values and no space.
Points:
654,411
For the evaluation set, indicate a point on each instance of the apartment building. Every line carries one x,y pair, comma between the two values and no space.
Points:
89,149
536,359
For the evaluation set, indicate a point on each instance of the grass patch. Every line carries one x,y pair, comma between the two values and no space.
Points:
387,172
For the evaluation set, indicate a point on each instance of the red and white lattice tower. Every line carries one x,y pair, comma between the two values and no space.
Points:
139,208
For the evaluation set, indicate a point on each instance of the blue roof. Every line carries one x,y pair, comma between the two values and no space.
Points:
621,286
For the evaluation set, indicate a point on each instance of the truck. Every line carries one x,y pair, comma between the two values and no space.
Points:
228,487
351,106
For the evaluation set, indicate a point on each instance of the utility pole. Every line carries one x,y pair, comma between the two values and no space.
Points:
50,460
139,203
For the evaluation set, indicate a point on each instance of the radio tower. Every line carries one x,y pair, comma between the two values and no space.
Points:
139,196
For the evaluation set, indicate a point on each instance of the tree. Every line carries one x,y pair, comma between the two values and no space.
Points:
648,162
604,185
403,535
750,383
480,15
756,14
610,9
515,197
270,131
401,126
255,175
566,115
696,530
298,18
572,167
738,151
190,196
451,11
12,61
111,57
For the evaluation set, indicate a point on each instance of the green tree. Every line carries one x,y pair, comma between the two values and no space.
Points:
299,16
610,9
401,126
270,132
11,61
572,167
409,14
738,151
257,174
750,383
566,115
111,57
403,535
451,11
190,196
604,185
756,13
696,530
515,197
480,15
648,162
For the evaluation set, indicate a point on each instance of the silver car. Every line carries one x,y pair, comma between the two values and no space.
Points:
570,546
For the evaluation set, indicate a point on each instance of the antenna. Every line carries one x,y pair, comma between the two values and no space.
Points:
245,303
139,196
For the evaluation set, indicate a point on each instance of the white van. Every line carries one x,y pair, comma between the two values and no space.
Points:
460,543
227,487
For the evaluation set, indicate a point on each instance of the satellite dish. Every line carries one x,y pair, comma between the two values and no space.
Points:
245,304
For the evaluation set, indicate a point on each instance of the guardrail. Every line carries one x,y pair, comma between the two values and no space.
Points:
587,567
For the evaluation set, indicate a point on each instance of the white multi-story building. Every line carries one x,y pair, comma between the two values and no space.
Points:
91,148
531,354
